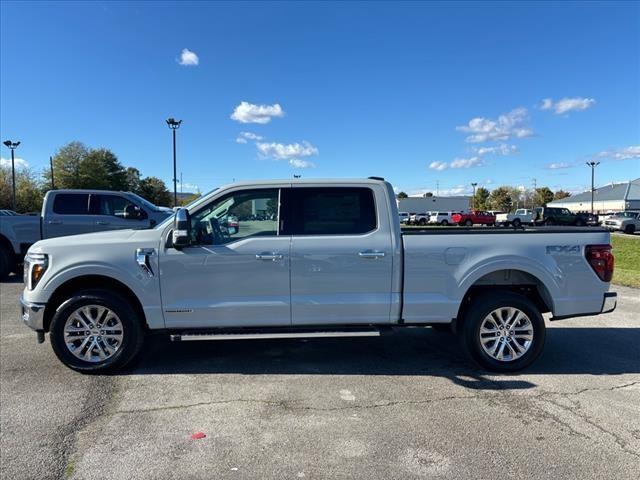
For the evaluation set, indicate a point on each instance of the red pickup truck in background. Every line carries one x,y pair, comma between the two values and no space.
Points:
474,217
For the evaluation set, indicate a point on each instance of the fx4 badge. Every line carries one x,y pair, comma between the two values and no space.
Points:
563,250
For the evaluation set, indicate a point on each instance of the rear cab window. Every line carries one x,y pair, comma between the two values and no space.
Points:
71,204
330,211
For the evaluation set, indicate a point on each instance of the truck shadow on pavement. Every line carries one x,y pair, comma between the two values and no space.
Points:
420,352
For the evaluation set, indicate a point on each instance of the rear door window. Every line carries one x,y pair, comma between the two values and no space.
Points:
331,211
71,204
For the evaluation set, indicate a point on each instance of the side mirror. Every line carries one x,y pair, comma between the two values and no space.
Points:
181,236
131,212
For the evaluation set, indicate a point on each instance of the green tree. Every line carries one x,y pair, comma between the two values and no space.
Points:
542,196
28,190
481,198
132,179
500,199
189,199
560,194
401,195
66,165
155,190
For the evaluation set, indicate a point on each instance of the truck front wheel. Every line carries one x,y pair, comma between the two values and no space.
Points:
503,332
96,332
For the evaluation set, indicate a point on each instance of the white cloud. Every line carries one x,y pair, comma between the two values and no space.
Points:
502,149
457,163
281,151
188,58
19,163
565,105
439,166
631,152
558,165
466,162
250,113
244,137
297,163
190,187
509,125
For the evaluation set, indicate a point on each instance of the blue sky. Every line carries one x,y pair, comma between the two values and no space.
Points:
423,94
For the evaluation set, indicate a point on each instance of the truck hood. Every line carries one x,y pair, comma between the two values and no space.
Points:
93,240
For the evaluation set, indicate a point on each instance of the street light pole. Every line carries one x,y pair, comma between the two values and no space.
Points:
174,125
593,166
474,185
12,146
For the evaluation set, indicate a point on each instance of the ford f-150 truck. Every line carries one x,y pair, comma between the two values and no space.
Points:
70,212
326,258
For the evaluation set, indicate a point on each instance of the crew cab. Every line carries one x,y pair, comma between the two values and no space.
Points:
71,212
441,218
327,258
559,216
474,217
627,222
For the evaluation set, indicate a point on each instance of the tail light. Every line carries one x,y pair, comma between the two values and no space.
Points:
601,260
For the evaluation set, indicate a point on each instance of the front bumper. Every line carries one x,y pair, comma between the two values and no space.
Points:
32,314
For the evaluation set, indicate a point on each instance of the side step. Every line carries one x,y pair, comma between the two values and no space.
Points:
267,334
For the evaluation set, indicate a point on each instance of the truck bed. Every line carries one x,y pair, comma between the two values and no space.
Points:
480,230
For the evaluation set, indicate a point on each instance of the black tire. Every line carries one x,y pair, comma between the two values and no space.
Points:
580,223
444,223
7,265
422,222
549,222
517,223
629,229
481,308
133,333
468,223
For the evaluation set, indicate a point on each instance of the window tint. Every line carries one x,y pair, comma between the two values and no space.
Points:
71,204
241,214
113,205
331,211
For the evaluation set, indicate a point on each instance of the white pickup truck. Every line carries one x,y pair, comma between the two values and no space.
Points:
70,212
522,216
325,258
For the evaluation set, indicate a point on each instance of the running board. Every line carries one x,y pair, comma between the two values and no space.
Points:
273,335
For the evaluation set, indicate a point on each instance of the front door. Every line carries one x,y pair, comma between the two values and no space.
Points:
110,212
236,272
341,258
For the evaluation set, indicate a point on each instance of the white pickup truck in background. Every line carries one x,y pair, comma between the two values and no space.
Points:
321,258
71,212
522,216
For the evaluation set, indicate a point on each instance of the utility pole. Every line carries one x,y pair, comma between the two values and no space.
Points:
12,146
53,183
593,166
174,125
474,185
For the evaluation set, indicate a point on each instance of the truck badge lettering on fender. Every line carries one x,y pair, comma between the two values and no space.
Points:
563,250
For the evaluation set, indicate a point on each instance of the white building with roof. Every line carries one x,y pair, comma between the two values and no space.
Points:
615,197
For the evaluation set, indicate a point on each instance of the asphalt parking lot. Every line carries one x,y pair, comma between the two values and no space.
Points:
402,406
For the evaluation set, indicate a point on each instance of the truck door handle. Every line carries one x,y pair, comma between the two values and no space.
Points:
102,222
55,222
370,254
273,256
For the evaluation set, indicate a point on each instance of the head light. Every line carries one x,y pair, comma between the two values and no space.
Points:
35,264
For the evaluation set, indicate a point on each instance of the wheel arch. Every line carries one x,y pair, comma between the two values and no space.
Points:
90,282
514,280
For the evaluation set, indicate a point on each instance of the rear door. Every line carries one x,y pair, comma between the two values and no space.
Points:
341,258
68,215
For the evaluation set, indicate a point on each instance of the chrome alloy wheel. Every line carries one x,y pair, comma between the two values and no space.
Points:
93,333
506,334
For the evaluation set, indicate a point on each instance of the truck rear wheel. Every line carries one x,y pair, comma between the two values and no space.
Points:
629,229
96,332
468,223
503,332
